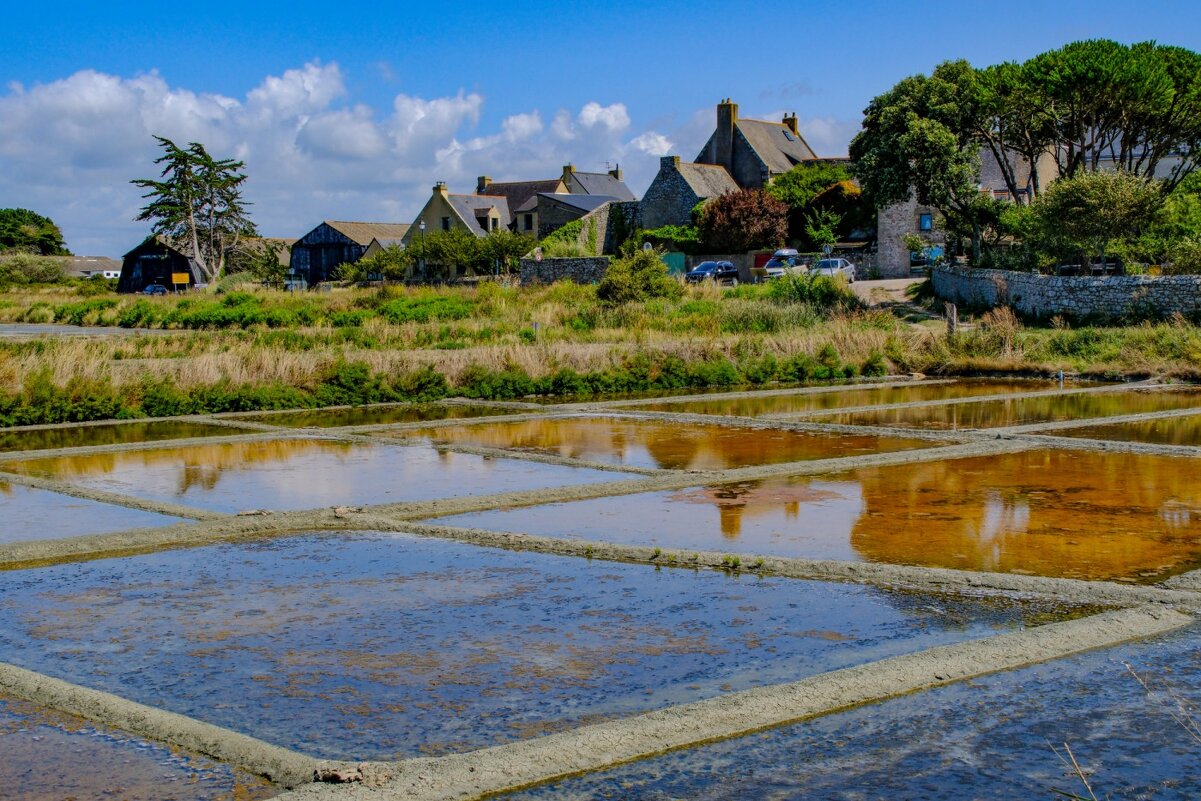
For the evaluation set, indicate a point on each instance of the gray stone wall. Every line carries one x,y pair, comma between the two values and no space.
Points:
669,199
1079,297
582,270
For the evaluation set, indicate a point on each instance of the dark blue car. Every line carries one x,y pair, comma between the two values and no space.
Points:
723,272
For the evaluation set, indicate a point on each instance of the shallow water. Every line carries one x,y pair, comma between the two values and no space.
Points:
989,738
117,434
35,514
812,402
300,474
994,414
375,415
658,444
1174,431
379,646
47,756
1052,513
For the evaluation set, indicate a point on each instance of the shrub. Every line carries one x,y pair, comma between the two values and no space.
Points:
822,291
640,276
423,308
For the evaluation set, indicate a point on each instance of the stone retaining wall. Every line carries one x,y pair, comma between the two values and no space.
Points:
582,270
1079,297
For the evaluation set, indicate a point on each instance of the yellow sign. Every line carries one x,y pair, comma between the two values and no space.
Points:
179,278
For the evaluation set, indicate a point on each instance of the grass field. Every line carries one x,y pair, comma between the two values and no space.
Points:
245,350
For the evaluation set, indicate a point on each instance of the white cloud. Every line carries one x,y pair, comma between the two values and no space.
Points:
652,144
69,148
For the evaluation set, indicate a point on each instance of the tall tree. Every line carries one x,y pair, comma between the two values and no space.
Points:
22,229
1090,210
197,203
919,139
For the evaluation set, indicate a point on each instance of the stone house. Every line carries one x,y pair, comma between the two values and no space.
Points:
740,154
893,223
754,151
678,187
525,206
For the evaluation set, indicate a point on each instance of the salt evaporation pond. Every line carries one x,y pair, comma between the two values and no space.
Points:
376,415
1024,411
842,399
47,756
987,738
113,434
1053,513
300,474
35,514
660,444
378,646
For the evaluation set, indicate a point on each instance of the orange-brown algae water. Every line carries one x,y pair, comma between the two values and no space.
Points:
659,444
1051,513
1022,411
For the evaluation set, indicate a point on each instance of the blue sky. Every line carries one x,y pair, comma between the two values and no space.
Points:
353,111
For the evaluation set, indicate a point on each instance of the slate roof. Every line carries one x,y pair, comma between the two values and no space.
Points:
467,206
602,183
578,201
707,180
93,264
519,193
363,232
775,144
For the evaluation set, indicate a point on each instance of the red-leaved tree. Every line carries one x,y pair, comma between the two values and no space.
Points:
742,221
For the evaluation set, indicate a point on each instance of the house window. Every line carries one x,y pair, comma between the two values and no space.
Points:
493,223
529,222
925,222
445,223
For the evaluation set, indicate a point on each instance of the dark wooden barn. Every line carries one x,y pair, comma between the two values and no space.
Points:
317,254
154,261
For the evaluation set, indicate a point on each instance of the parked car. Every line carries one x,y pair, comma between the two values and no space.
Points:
781,263
833,267
154,289
719,271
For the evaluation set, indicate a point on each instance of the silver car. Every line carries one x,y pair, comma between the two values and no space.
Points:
834,267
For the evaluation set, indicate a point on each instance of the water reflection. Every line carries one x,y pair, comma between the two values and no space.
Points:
783,404
377,415
1173,431
117,434
1050,513
1019,411
300,474
648,443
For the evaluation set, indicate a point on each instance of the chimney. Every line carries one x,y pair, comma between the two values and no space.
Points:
616,173
669,163
723,138
791,122
568,169
481,184
440,189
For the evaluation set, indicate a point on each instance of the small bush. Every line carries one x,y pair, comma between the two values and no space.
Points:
640,276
